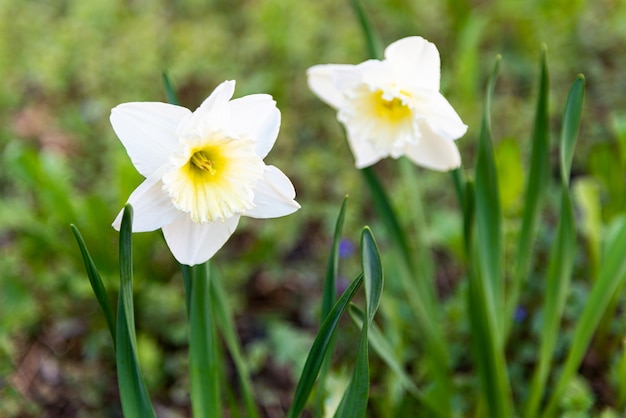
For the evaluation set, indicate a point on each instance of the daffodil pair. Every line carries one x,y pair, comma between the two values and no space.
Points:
205,169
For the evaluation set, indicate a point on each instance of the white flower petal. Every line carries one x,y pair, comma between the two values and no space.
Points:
416,61
442,118
256,117
212,115
273,195
148,132
152,207
321,80
364,152
193,243
434,152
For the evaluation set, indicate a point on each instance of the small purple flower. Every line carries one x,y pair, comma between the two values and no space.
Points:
520,314
346,248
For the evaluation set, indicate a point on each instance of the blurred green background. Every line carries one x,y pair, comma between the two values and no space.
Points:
65,63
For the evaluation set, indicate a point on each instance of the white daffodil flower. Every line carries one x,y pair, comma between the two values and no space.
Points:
393,107
203,170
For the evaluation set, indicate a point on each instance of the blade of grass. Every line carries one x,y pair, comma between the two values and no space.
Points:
133,392
203,353
535,190
320,348
356,396
329,297
485,272
224,317
96,282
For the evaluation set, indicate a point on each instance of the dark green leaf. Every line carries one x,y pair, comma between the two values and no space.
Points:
133,392
319,349
571,125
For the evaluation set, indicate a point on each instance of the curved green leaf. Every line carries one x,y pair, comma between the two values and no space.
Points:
96,282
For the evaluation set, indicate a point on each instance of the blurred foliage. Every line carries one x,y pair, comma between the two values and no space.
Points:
65,63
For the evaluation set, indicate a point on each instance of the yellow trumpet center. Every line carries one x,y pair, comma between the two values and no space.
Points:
392,110
215,178
204,161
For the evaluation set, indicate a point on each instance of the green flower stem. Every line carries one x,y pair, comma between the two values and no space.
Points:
203,354
419,290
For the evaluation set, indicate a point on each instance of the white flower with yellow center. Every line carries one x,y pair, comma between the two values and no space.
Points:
393,107
203,170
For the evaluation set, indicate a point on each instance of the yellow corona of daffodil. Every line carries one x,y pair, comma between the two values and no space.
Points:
203,170
393,107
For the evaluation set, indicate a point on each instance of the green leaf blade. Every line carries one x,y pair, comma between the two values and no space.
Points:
96,282
319,349
133,392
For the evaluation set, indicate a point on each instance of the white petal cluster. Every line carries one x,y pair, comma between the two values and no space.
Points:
203,169
393,107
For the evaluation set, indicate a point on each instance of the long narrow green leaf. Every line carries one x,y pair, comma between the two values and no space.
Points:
535,190
557,282
488,211
612,276
224,317
96,282
571,125
486,282
355,399
329,296
319,349
133,392
372,41
203,354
